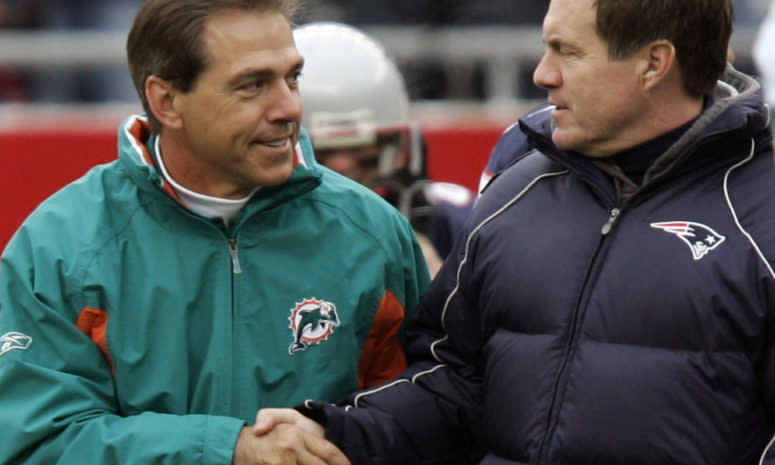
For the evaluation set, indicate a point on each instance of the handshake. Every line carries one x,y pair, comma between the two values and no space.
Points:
285,437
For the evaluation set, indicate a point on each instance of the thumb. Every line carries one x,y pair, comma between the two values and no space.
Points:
267,419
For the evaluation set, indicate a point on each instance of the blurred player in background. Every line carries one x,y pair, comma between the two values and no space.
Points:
356,109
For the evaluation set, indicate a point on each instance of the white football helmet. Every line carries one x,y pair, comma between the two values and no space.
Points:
354,96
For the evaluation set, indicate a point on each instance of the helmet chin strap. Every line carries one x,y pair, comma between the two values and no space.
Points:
416,150
388,156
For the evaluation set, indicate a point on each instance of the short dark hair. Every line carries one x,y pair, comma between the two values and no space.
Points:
166,40
698,29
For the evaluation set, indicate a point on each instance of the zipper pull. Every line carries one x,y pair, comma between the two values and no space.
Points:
610,222
235,266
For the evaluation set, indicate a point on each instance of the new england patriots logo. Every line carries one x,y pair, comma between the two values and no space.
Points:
312,321
14,340
700,238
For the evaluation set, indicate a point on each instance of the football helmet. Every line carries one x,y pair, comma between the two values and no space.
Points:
356,110
355,97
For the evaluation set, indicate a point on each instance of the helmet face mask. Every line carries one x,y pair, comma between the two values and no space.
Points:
332,129
369,162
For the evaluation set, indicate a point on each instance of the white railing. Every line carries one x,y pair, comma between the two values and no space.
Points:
502,50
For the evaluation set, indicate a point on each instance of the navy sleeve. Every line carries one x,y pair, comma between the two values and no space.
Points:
429,414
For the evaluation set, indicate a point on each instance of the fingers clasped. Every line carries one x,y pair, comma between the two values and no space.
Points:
285,437
268,418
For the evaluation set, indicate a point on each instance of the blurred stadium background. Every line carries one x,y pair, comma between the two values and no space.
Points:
468,64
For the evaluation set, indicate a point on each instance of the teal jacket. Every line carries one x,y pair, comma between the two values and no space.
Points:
133,331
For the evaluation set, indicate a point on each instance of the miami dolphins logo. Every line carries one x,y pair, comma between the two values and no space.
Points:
312,321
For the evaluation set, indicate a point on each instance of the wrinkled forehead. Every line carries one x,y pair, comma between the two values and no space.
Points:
234,35
577,17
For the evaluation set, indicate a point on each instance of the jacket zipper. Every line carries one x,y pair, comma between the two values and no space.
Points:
578,314
236,268
610,222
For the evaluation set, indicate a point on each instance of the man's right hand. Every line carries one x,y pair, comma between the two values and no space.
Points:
285,445
268,418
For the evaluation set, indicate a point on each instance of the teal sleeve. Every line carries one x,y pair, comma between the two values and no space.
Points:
57,396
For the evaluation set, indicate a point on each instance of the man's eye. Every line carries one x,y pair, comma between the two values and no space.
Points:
561,49
567,51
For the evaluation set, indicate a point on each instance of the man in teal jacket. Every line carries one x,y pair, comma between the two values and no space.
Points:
152,307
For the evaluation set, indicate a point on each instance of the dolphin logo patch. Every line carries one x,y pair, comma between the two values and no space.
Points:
312,321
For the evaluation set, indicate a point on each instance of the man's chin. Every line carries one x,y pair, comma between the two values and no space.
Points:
581,145
563,140
276,176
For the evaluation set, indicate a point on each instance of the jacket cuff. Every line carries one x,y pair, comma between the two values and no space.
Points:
329,416
220,438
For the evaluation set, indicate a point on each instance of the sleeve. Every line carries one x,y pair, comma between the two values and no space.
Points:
383,356
511,146
426,415
514,144
57,393
768,454
766,372
490,169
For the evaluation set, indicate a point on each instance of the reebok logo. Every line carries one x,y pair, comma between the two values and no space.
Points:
14,340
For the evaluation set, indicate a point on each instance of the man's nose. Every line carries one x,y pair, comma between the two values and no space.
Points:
546,74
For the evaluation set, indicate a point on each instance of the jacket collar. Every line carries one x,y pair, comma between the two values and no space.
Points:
737,111
135,139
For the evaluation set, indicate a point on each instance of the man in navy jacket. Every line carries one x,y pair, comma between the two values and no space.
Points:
612,300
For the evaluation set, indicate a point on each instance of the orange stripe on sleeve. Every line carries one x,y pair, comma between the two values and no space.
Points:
94,323
382,357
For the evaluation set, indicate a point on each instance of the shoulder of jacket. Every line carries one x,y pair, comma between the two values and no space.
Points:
84,214
513,143
527,169
359,204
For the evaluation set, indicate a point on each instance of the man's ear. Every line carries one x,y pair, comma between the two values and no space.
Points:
658,62
161,95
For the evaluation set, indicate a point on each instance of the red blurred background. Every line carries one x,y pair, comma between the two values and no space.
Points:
41,151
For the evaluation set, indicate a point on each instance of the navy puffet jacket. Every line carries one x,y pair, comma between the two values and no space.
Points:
584,321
